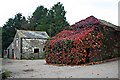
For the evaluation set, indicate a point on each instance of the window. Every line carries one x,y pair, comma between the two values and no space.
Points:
36,50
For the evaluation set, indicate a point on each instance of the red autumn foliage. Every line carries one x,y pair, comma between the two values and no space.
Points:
86,41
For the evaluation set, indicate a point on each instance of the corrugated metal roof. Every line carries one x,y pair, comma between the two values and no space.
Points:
32,34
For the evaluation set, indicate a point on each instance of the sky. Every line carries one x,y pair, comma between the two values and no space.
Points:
76,9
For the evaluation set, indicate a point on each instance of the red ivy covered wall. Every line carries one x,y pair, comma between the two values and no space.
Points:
86,41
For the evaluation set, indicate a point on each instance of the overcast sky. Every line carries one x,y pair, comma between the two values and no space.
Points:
76,9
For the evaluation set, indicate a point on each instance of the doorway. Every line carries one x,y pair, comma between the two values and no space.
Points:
12,53
8,53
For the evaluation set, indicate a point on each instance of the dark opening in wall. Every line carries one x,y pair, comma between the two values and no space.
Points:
36,50
12,53
87,57
43,49
8,54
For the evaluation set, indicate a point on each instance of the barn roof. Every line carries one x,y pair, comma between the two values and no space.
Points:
32,34
110,24
91,20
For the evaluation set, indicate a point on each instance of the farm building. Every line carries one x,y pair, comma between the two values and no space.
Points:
27,44
86,41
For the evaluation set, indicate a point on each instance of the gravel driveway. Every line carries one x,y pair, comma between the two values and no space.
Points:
38,69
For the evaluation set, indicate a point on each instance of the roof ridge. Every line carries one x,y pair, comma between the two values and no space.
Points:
87,19
33,34
31,30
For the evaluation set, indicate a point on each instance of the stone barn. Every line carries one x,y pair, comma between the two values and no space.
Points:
27,44
89,40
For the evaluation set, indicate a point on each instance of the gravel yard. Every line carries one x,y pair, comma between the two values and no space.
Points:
39,69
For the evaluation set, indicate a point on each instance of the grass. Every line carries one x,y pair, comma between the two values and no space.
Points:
6,74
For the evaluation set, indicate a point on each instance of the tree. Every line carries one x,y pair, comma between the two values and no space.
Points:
57,19
39,18
20,22
10,27
52,21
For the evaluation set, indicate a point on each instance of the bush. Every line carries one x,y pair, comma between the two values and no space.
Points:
83,42
6,74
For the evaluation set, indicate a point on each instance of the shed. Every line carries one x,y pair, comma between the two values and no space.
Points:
27,44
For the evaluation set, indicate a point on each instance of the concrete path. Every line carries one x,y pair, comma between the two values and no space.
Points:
38,69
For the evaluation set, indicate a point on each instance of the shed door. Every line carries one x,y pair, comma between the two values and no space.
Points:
8,54
12,53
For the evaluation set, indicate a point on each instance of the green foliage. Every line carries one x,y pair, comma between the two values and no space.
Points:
9,29
52,21
39,19
6,74
57,19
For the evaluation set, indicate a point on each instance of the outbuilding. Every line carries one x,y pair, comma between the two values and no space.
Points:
27,44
